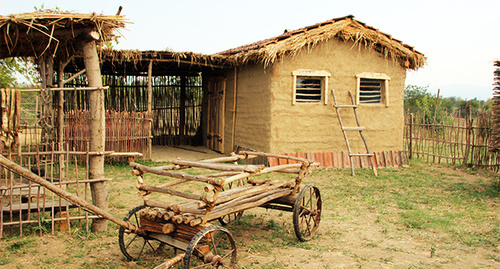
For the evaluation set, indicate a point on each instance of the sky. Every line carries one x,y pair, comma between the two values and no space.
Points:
461,39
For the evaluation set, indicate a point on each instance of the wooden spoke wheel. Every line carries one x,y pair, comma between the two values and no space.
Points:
307,212
212,247
225,220
134,246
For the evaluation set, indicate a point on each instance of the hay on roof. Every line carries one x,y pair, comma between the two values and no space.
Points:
345,28
51,31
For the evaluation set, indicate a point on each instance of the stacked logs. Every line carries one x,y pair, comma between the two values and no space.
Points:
217,201
235,200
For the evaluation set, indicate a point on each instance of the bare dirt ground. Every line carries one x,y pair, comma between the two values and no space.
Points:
347,237
168,153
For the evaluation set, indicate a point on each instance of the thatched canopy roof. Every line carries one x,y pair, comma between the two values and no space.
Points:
52,32
345,28
135,62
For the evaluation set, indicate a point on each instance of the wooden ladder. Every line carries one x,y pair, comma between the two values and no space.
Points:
357,128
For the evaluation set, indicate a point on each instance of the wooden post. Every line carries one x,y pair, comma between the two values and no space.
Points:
468,134
150,108
235,85
410,146
97,132
182,112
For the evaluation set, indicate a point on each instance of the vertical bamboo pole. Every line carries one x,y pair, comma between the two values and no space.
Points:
182,111
410,146
97,132
235,87
150,109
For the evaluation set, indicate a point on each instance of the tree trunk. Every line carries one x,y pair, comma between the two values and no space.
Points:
97,132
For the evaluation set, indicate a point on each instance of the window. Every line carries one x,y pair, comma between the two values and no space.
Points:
310,86
373,88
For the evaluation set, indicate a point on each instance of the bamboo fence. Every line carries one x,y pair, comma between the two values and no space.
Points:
461,141
125,131
171,118
27,205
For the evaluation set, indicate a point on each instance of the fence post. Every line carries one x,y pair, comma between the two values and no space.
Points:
468,127
410,144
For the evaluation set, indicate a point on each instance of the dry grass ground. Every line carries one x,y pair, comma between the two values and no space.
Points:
424,216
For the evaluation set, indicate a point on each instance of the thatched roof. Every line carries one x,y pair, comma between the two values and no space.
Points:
51,31
345,28
135,62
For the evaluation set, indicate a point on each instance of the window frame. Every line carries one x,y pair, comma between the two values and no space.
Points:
384,91
322,74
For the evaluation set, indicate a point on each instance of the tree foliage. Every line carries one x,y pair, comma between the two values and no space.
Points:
417,99
17,72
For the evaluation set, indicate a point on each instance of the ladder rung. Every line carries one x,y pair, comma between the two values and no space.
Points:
353,128
339,106
361,154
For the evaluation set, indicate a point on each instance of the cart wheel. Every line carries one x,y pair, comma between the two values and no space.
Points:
212,247
134,246
307,212
225,220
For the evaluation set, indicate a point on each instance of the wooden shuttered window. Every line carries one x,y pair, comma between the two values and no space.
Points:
373,88
308,90
370,91
309,86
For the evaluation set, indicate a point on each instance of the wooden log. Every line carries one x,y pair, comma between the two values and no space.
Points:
188,218
233,158
168,228
222,174
274,155
171,192
169,167
248,203
221,167
208,188
252,190
263,171
172,183
143,168
196,222
193,209
178,219
97,131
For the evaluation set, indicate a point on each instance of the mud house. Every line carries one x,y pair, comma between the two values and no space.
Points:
282,89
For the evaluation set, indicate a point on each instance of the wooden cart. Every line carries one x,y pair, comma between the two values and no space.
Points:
227,190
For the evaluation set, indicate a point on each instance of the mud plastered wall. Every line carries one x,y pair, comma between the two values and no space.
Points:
314,126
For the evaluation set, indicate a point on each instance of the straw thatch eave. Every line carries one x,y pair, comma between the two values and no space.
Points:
345,28
135,62
52,32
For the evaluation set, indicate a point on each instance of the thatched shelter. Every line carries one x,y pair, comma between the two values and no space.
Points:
53,32
53,38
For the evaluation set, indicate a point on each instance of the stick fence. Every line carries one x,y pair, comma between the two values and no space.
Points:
461,141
